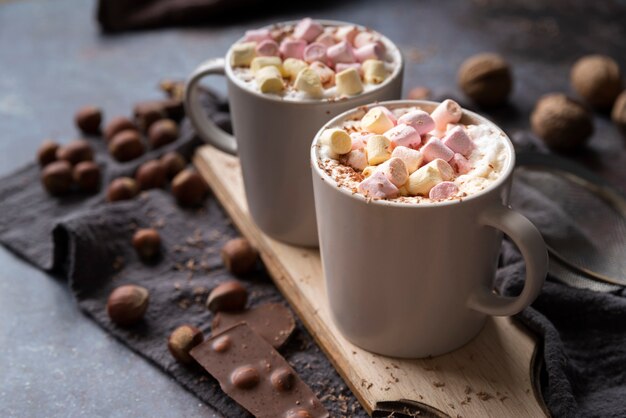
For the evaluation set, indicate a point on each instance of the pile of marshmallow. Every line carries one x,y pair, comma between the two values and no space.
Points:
311,58
416,154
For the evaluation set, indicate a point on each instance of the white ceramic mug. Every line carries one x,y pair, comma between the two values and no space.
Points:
416,280
273,139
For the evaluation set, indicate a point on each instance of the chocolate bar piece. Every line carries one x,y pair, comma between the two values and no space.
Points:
256,376
272,321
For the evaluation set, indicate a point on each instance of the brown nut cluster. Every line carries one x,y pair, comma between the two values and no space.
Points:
122,188
151,175
75,152
147,243
86,175
146,114
162,132
126,145
117,125
47,152
88,120
173,163
597,79
189,188
182,340
618,114
62,166
239,256
561,122
486,79
127,304
228,296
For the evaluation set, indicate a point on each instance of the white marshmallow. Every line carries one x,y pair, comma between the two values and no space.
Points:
348,82
374,71
309,82
378,149
260,62
337,139
241,55
428,176
269,80
292,66
376,121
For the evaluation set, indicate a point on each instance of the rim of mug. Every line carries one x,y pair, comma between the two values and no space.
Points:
326,22
504,176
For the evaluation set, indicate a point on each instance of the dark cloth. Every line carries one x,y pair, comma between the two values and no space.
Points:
583,333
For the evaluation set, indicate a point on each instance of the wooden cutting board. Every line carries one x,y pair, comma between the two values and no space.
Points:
492,376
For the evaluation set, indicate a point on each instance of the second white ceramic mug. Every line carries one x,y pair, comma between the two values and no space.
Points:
273,139
416,280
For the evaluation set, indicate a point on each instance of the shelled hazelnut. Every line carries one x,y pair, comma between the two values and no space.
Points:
597,79
126,145
86,175
127,304
151,175
117,125
189,188
228,296
147,243
146,114
122,188
88,120
486,79
162,132
182,340
239,256
561,122
173,163
47,152
75,152
56,177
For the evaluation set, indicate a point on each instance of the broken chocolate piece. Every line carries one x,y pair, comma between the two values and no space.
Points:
272,321
245,370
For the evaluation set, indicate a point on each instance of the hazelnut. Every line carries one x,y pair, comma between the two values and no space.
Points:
126,145
147,243
86,175
597,79
151,175
173,89
127,304
419,93
122,188
117,125
56,177
75,152
147,113
182,340
618,115
88,119
486,79
561,122
47,152
228,296
173,163
162,132
189,188
239,256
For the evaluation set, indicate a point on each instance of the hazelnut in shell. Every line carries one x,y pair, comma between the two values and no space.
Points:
151,175
597,79
162,132
75,152
126,145
56,177
88,120
122,188
239,256
47,152
87,176
127,304
146,114
486,79
147,243
117,125
189,188
562,123
182,340
228,296
173,163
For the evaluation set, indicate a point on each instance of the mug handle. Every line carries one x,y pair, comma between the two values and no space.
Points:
205,127
533,248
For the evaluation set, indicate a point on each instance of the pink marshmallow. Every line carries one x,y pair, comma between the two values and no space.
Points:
267,48
369,51
447,112
307,30
418,120
357,141
443,190
315,52
327,75
458,141
395,170
347,34
326,39
403,136
344,66
460,164
257,35
363,38
292,49
341,52
378,186
434,149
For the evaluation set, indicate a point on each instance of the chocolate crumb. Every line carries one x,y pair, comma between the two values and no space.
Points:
439,384
484,396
